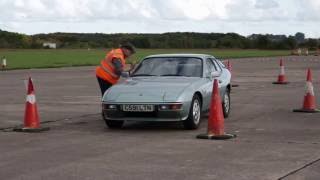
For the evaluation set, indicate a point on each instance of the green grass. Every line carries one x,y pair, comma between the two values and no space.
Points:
25,59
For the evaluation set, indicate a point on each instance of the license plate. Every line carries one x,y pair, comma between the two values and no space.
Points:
137,108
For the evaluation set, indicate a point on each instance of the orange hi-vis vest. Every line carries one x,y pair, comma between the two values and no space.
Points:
106,70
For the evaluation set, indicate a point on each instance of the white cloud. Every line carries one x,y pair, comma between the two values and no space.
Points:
266,4
310,12
241,16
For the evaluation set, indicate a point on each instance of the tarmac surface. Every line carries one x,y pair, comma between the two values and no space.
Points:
272,143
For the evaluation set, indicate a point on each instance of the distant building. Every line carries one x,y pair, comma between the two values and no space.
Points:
49,45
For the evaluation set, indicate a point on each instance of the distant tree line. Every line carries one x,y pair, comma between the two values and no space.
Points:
165,40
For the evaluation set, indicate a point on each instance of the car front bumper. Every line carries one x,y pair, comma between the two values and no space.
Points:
157,115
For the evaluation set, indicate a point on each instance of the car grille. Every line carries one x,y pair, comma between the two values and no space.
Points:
156,114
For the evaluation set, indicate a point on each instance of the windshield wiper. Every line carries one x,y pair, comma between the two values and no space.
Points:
135,75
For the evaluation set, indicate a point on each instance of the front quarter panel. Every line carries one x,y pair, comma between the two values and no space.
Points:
186,96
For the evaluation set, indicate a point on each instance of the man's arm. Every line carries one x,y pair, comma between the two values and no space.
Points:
118,66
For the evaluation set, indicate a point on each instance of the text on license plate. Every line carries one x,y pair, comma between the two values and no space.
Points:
137,108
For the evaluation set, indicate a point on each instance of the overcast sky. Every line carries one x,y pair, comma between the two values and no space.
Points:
156,16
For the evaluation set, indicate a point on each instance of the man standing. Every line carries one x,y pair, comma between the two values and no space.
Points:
111,68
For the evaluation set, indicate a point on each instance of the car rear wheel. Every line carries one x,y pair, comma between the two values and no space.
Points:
193,120
226,104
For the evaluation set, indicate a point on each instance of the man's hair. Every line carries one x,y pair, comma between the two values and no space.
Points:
128,46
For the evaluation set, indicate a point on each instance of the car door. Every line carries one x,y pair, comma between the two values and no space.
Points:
223,79
210,67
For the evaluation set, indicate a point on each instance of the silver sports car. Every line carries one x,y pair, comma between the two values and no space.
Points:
167,87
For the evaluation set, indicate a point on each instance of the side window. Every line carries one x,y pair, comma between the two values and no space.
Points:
217,64
211,66
220,63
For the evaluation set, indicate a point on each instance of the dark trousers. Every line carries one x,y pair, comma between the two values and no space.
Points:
104,85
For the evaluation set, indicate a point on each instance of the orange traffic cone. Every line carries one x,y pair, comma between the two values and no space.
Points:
216,119
309,102
282,76
229,67
31,117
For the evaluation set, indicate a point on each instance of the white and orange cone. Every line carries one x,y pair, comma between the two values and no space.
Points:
282,77
309,102
4,64
216,118
31,117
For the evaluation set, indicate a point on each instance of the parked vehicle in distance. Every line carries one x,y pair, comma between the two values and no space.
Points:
167,87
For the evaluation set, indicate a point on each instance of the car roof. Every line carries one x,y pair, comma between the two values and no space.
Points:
203,56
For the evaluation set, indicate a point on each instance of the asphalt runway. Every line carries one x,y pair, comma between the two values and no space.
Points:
272,143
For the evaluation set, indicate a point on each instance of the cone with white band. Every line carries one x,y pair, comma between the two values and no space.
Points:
31,117
4,64
282,77
229,66
309,102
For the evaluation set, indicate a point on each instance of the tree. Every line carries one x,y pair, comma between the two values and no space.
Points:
291,42
165,40
311,44
299,37
262,42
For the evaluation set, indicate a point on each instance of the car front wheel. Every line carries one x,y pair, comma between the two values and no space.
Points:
193,120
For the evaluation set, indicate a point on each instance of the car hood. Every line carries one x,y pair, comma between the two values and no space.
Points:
148,89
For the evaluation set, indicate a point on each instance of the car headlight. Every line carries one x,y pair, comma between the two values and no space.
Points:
170,107
109,106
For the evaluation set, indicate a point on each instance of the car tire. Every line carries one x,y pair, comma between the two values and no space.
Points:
226,104
113,124
194,117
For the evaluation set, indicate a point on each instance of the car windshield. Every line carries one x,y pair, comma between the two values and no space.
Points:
170,66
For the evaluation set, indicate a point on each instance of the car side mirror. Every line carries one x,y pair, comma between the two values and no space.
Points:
212,75
215,74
